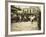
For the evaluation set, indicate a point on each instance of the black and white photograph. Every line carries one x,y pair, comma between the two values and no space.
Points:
25,18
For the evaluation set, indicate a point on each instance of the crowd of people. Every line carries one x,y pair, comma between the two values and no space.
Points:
23,18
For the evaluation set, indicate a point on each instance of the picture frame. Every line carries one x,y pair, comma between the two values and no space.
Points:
23,24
